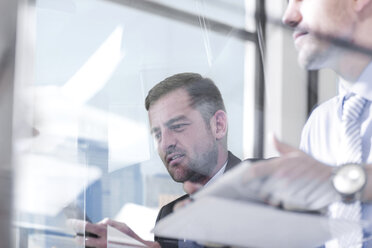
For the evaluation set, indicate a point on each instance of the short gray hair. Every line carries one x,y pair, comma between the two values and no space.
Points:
204,94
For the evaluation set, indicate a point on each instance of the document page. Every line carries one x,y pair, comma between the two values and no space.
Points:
117,239
215,220
228,212
235,185
232,186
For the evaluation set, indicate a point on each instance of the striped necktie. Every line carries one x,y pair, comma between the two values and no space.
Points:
350,152
351,143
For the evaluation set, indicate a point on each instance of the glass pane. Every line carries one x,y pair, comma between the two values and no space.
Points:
88,149
91,154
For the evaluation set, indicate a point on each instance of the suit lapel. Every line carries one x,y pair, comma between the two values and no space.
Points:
232,160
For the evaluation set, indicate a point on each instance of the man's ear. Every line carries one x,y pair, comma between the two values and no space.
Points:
219,124
359,5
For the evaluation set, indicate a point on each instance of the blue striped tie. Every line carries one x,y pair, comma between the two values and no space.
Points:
351,143
350,152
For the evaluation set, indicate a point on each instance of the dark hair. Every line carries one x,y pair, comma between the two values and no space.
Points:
204,94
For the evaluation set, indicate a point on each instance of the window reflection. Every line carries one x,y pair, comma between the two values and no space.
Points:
91,147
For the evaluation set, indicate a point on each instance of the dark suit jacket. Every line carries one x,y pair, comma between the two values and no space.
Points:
167,209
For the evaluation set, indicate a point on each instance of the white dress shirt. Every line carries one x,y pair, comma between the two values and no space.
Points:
321,134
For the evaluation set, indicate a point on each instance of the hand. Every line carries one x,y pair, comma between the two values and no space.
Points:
295,180
81,227
191,188
100,229
181,204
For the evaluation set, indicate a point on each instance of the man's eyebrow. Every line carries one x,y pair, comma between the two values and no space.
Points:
170,122
175,119
154,130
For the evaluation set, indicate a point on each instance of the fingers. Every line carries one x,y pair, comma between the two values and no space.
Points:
77,225
273,166
283,148
91,242
181,204
81,226
98,229
262,169
120,226
84,228
191,188
294,180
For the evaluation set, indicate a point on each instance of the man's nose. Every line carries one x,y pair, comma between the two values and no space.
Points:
168,140
292,16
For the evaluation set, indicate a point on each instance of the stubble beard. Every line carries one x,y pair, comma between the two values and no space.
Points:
318,54
313,54
198,169
203,167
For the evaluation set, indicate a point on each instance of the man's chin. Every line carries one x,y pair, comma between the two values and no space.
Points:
182,177
196,178
178,175
308,62
179,180
314,56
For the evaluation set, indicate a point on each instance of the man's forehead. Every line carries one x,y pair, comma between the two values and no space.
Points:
168,108
180,96
162,116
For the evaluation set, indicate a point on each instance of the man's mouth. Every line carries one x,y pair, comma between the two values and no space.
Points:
299,33
174,159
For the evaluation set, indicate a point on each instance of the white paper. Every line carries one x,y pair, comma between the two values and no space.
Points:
233,185
214,220
139,218
228,212
115,238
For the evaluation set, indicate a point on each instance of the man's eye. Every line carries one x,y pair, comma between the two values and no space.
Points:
157,136
178,127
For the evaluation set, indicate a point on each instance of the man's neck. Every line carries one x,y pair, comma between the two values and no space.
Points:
351,66
221,161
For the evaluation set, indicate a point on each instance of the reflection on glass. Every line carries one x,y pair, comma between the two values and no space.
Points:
91,148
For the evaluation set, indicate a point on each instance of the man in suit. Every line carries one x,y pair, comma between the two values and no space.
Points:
189,124
183,110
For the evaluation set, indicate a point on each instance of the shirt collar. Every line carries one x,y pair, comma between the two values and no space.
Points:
362,87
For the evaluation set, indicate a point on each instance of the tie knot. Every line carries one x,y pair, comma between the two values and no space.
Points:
353,107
